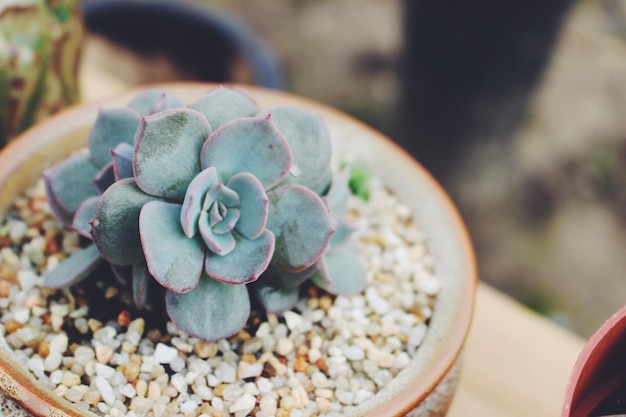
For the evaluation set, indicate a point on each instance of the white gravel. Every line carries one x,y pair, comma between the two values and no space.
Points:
324,357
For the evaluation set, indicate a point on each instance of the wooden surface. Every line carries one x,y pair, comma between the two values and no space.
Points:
515,363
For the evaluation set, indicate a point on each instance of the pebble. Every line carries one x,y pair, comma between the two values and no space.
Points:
103,353
83,354
244,404
105,389
164,353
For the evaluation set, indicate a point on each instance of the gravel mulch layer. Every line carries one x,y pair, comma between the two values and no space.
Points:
322,358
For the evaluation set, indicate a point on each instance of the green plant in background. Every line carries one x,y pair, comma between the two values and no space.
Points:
40,44
214,202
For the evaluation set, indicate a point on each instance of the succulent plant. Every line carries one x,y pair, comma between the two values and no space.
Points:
208,201
40,45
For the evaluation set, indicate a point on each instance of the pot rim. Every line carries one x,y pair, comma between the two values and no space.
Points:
439,350
588,383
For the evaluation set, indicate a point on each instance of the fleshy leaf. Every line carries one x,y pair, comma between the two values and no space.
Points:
245,263
68,184
301,222
194,198
228,222
223,105
73,269
123,161
141,279
105,178
275,300
220,244
281,279
123,274
252,204
144,102
343,231
167,151
174,260
248,145
339,193
167,100
310,144
341,272
221,193
213,310
115,227
112,127
84,215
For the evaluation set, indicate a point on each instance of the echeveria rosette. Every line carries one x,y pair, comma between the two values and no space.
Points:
202,204
74,185
213,209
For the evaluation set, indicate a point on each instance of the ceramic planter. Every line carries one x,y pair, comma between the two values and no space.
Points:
426,386
596,385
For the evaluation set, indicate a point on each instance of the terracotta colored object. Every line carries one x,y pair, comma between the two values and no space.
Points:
599,375
426,386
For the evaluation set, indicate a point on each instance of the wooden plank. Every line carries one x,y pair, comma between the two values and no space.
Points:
516,363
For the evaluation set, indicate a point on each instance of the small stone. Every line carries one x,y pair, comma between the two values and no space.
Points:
345,397
128,391
141,387
27,279
164,353
268,404
293,320
429,285
319,380
70,379
104,371
105,390
188,407
58,343
76,393
37,366
92,398
204,392
53,361
56,377
362,395
232,392
21,315
301,365
380,357
154,391
205,350
159,410
244,404
177,364
323,405
84,354
354,353
284,346
131,371
249,370
139,405
226,372
178,382
103,353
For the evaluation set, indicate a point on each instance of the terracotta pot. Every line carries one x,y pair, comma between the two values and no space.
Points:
427,384
597,384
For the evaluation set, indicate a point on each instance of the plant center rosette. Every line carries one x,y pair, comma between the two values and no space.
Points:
199,209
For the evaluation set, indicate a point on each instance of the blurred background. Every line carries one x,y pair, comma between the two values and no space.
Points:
518,108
